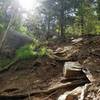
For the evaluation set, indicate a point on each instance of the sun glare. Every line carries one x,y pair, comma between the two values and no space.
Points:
28,4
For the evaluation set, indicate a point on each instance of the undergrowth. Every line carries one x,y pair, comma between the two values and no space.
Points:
31,51
4,62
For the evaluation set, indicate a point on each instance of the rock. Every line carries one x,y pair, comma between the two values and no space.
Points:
89,91
71,95
92,66
77,40
82,92
72,69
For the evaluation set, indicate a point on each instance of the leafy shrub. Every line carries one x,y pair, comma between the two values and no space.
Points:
97,26
25,52
42,52
31,51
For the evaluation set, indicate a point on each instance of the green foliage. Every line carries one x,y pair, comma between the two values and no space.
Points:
25,52
42,52
4,62
86,17
74,17
31,51
85,20
73,30
1,27
97,26
23,29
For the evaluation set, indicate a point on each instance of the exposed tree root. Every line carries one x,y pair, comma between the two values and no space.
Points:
46,98
68,85
63,55
84,92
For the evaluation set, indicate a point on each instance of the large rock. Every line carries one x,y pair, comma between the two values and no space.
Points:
13,41
72,69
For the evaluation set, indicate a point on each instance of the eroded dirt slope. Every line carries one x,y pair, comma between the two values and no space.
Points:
40,79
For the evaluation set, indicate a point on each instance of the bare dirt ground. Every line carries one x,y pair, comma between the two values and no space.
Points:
30,75
33,79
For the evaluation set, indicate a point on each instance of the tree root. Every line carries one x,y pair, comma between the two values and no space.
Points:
79,93
46,98
68,86
63,57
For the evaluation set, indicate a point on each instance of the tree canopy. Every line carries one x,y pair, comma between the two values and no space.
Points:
52,17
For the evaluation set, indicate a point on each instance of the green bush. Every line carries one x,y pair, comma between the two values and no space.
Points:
30,51
42,51
97,26
25,52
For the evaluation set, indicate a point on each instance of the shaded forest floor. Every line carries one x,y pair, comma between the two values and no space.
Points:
40,79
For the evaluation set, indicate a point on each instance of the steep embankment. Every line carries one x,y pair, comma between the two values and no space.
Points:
42,78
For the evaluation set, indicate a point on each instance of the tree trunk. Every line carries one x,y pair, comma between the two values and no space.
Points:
48,27
5,33
62,18
48,24
82,24
98,9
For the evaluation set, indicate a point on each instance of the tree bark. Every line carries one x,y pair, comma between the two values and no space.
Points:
62,18
98,9
82,24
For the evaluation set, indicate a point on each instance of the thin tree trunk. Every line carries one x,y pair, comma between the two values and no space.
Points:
62,19
8,27
98,9
82,24
5,33
48,24
82,16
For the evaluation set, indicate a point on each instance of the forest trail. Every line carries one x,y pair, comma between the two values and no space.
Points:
42,78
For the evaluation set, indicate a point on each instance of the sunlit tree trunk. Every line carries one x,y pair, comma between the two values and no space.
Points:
9,25
5,33
48,24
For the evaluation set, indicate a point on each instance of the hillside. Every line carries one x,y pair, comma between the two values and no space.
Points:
46,79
